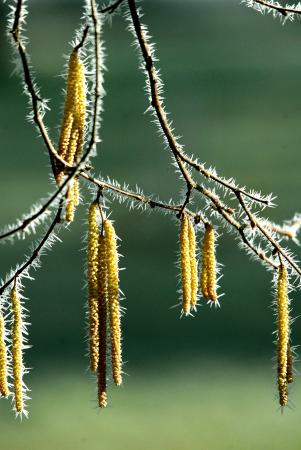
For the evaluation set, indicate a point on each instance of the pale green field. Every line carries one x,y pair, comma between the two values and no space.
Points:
211,407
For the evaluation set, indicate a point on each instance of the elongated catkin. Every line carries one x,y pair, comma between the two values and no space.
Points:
17,347
102,309
185,264
4,390
209,269
73,124
92,258
193,264
113,300
72,129
283,334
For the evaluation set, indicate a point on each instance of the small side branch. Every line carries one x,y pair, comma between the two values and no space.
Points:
111,8
35,253
36,100
283,10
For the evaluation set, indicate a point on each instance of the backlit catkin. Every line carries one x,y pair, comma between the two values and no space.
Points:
17,344
185,264
209,269
193,264
113,300
102,309
283,334
4,391
93,234
72,129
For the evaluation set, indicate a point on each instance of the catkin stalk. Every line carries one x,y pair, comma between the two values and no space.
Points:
93,234
17,344
283,334
4,390
102,309
113,296
185,264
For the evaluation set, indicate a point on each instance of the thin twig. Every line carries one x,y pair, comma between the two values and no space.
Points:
155,95
180,156
284,10
111,8
35,98
255,223
36,253
138,197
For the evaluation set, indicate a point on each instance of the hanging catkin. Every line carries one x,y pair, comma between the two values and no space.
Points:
72,129
113,300
209,269
283,334
185,264
17,345
4,390
93,234
102,309
193,264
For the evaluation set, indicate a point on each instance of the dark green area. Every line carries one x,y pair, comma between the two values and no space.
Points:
232,83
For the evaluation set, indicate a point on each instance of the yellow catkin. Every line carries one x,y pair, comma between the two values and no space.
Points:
73,124
17,357
113,300
93,234
70,205
283,334
76,191
102,309
193,263
289,366
72,199
4,390
208,272
185,264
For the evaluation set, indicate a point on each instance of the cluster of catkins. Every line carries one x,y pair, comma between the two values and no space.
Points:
104,302
189,267
104,311
72,129
207,279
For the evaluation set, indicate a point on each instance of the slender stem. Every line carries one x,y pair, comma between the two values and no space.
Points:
284,10
36,253
111,8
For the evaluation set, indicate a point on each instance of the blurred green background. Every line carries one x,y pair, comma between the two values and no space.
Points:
232,81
